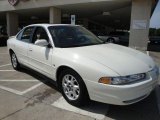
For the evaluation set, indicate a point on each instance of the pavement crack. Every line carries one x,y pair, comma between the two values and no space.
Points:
11,114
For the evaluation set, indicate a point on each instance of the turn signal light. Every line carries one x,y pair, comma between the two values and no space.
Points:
105,80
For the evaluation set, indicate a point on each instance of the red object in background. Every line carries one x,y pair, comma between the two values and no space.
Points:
13,2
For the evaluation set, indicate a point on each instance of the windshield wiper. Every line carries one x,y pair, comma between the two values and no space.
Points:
81,45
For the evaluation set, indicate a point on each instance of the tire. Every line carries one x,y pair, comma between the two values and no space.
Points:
73,88
110,40
14,61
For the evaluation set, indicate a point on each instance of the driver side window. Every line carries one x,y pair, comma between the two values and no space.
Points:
40,34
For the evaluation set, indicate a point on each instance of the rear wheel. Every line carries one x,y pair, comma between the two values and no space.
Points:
73,88
14,61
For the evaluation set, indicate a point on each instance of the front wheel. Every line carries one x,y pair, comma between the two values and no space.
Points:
73,88
110,40
14,61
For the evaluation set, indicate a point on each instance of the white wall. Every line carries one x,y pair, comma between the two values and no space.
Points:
141,11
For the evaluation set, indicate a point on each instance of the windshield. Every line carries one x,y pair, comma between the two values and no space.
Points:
73,36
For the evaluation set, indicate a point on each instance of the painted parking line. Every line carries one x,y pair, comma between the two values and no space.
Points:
19,80
5,65
31,88
10,90
19,92
98,111
7,70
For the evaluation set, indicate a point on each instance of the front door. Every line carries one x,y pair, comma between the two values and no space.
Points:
40,57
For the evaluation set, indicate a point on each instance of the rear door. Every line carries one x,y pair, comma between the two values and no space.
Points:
22,44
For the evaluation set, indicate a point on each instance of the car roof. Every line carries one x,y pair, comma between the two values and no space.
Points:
48,25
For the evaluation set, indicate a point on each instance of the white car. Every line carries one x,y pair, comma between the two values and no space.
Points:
83,66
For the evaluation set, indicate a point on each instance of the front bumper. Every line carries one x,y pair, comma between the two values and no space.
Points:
121,94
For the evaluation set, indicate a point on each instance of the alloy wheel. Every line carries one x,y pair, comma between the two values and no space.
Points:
71,87
14,60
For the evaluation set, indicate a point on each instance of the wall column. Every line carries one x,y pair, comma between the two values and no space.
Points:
86,23
140,20
12,23
54,15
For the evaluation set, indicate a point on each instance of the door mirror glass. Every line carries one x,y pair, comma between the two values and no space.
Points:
41,42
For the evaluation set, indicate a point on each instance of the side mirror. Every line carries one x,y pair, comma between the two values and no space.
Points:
41,42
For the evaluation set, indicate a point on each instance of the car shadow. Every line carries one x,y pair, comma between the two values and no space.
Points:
40,77
96,107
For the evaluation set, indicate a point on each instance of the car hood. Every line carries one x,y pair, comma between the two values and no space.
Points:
122,60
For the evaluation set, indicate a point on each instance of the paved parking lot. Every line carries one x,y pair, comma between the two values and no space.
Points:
24,95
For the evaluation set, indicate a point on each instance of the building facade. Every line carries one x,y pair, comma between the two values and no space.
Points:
100,15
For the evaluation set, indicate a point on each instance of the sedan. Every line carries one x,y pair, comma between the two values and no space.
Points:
83,66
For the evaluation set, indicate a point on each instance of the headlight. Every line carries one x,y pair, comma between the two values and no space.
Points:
122,79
